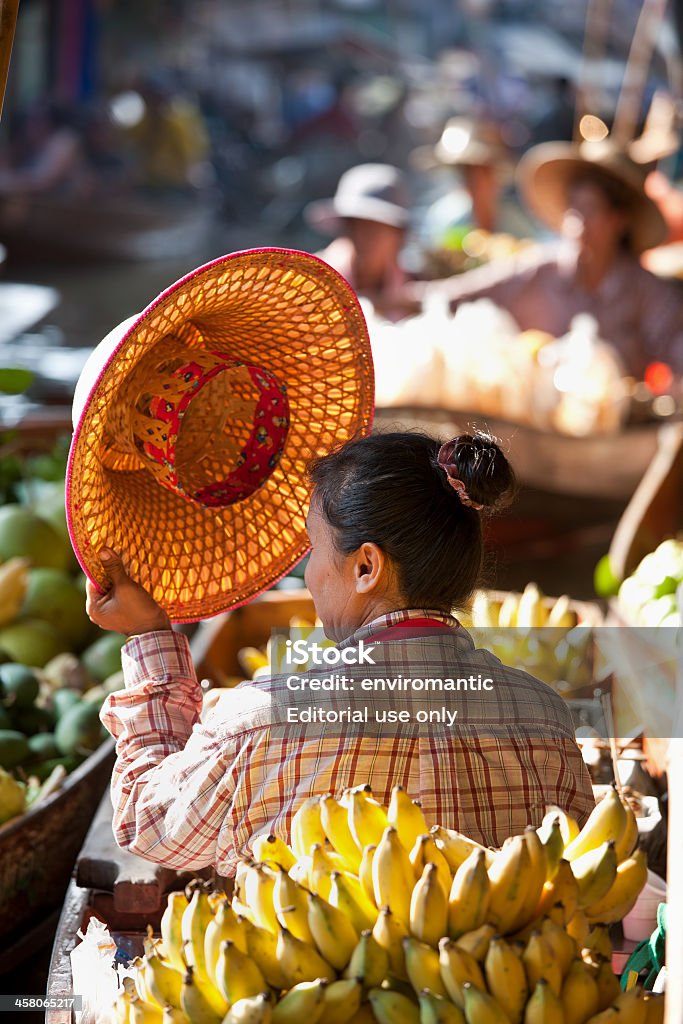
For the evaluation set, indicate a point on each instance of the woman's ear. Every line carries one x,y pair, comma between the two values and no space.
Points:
369,567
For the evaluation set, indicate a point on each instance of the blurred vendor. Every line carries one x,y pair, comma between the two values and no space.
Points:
476,199
593,195
368,216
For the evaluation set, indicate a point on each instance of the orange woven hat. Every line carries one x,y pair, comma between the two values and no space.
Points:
194,423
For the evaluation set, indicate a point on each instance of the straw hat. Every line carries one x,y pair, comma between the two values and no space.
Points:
195,420
367,192
462,142
547,171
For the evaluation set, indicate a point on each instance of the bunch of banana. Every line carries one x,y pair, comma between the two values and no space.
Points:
371,916
526,610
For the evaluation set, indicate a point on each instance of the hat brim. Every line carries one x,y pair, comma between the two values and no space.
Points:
286,311
327,215
545,174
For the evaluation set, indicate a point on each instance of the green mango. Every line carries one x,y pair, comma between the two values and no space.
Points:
14,748
20,685
78,730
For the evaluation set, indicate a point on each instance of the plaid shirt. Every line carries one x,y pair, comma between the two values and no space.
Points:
192,791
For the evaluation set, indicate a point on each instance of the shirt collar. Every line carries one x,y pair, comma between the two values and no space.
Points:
383,622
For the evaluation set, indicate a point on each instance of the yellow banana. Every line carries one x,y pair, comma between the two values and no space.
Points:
507,615
335,822
237,976
251,1010
273,849
346,894
393,1008
631,876
320,873
509,878
306,828
406,816
369,962
242,910
543,1007
423,967
120,1011
480,1007
365,871
262,948
562,945
606,1016
455,847
598,943
506,979
224,925
258,885
332,931
251,659
469,898
196,919
606,822
550,834
140,1012
163,982
389,933
631,1006
341,1000
608,984
477,942
300,870
303,1004
429,908
364,1015
367,818
195,1004
569,827
579,996
425,851
13,585
457,969
629,837
171,930
299,961
595,872
539,962
290,901
531,613
578,927
438,1010
171,1015
392,875
563,889
537,878
562,613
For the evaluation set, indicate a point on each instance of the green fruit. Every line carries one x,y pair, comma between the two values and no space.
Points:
14,748
103,658
32,720
24,533
66,671
32,642
12,797
63,700
43,746
78,730
20,685
604,580
53,596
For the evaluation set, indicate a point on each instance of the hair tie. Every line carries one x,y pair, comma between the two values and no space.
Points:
451,470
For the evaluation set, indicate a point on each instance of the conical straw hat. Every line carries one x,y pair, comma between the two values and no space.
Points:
194,423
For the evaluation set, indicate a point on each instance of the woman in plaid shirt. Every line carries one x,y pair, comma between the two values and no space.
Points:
395,525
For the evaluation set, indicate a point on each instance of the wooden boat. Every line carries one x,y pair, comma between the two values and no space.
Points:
37,854
126,227
600,466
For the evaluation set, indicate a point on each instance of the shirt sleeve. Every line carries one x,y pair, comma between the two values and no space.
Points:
170,786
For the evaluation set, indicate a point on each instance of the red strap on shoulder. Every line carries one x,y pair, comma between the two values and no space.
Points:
411,628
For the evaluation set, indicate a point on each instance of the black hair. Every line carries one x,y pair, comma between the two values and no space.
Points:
389,489
619,195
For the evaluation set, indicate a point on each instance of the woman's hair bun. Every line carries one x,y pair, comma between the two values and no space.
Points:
475,466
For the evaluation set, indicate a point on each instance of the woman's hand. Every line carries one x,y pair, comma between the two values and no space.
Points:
125,607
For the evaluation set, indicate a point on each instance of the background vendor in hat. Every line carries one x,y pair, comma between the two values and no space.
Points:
593,195
369,217
395,525
480,169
